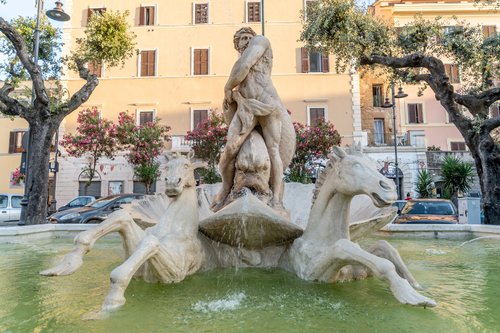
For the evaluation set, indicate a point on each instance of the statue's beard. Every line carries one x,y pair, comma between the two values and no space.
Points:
243,48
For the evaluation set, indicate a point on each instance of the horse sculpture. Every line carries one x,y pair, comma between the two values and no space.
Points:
325,252
167,252
173,248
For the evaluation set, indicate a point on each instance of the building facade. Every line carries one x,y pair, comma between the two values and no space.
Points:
421,121
184,56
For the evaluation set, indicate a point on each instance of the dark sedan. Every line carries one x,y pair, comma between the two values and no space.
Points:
428,211
94,212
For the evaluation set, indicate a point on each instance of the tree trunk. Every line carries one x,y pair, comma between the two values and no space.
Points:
486,155
42,132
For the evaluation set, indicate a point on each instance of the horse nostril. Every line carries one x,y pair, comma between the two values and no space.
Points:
178,181
385,185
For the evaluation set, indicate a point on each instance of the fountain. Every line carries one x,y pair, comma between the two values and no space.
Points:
170,237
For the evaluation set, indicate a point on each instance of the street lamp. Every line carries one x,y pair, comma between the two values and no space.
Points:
56,14
262,15
387,104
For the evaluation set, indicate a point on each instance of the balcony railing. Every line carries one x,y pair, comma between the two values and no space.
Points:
179,142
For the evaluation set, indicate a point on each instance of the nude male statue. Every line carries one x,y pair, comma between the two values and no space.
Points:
250,99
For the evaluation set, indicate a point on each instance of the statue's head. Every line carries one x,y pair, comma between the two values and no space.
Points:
242,37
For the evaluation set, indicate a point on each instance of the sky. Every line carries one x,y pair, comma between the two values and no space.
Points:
15,8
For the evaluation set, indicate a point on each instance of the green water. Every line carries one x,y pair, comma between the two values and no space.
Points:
464,280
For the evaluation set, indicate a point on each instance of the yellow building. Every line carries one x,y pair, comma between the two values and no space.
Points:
421,120
184,56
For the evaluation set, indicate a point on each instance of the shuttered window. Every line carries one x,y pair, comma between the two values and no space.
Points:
452,72
415,113
147,15
316,116
457,146
94,11
489,30
314,62
201,13
145,117
377,93
148,60
95,68
253,12
199,116
200,62
16,142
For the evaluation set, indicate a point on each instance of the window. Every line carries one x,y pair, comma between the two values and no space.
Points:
377,93
457,146
197,117
452,72
94,11
378,131
316,115
148,63
314,62
253,12
145,117
93,189
200,13
200,61
147,15
495,110
489,30
95,68
16,142
308,4
115,187
15,201
452,29
415,113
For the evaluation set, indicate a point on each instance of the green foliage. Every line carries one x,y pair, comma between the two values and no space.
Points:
49,48
424,184
313,143
207,141
351,34
457,175
95,138
107,40
433,148
144,144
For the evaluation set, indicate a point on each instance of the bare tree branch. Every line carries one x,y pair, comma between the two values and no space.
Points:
491,123
23,54
10,106
82,95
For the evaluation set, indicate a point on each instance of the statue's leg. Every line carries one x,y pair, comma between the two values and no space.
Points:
271,129
120,277
228,159
119,221
385,250
345,252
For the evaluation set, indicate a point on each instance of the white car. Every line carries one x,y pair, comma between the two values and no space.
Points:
10,207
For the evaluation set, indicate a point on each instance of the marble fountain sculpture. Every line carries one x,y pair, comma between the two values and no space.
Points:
170,237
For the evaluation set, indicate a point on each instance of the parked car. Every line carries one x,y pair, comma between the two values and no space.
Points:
10,207
94,212
428,211
78,202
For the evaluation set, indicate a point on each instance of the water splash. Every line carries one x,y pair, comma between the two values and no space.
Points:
231,302
435,252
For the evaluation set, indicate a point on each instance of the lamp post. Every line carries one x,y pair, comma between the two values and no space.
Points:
56,14
392,105
262,15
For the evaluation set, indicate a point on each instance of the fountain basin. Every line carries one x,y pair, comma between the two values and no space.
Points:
465,281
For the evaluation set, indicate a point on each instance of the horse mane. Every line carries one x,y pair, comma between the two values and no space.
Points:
332,160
